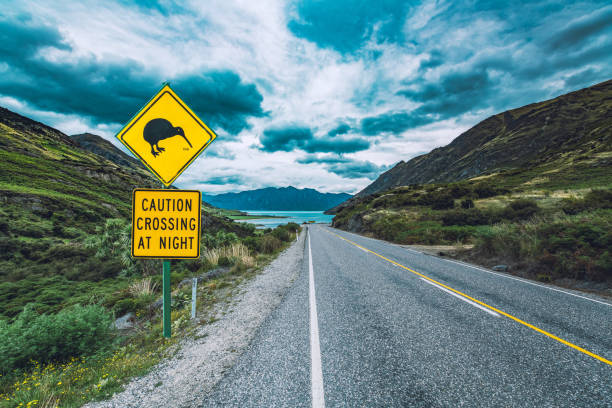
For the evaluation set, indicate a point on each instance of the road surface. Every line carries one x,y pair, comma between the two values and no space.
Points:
368,323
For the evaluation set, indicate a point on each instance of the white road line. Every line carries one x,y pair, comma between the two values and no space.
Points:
316,372
525,281
489,311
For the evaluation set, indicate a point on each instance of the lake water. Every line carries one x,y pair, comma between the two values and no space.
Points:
298,217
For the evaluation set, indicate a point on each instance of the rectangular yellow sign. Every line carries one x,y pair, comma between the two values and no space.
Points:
166,223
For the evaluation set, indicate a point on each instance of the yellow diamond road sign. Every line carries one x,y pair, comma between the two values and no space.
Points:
166,135
166,223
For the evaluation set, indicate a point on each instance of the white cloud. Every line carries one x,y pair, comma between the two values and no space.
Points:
300,82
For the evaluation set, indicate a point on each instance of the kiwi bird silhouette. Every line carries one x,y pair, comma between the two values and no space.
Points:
160,129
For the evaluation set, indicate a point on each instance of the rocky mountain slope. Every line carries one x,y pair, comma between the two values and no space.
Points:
541,132
282,199
43,165
106,149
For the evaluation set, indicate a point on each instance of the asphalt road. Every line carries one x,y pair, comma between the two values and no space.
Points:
396,329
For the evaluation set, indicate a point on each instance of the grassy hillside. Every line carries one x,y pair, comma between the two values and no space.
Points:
66,272
550,222
54,195
102,147
547,214
558,132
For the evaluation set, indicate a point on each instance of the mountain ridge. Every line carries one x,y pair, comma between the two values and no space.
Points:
512,139
102,147
277,198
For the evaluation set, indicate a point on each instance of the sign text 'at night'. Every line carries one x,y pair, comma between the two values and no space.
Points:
166,223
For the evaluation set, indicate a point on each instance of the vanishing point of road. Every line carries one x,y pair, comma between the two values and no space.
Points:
372,324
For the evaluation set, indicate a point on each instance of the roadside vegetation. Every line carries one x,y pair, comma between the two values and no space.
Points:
540,229
63,285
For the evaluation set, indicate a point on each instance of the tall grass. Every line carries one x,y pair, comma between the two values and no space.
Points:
144,287
237,252
557,245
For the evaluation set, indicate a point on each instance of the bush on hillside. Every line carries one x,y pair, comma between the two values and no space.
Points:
594,199
72,332
270,244
218,240
567,247
442,202
458,191
484,190
282,234
467,203
520,209
463,216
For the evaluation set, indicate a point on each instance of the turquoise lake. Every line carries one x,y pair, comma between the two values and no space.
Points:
298,217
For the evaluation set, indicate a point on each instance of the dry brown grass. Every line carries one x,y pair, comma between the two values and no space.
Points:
142,287
236,251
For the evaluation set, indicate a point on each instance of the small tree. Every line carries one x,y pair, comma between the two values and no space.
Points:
114,240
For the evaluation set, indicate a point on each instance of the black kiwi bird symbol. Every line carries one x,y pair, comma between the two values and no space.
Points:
160,129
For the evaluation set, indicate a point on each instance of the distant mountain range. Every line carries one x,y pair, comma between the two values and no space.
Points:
527,136
279,199
265,199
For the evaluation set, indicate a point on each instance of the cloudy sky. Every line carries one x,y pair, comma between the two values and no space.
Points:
319,94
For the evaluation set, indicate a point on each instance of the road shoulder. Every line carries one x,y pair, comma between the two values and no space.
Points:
202,361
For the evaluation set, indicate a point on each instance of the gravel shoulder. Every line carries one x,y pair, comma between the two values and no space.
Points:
184,379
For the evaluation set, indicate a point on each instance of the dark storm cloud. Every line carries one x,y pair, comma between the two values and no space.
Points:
313,158
295,137
111,91
335,145
434,60
393,122
21,38
285,139
221,180
578,31
357,169
345,167
345,25
164,7
453,94
225,99
582,79
341,129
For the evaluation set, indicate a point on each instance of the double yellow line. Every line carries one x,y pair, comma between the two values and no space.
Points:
516,319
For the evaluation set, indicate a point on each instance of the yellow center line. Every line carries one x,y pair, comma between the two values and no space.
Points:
516,319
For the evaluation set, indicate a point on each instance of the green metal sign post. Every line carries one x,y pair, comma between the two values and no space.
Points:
166,295
140,135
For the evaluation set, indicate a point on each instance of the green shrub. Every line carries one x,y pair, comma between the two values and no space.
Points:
458,191
270,244
442,202
253,243
574,247
573,206
462,216
224,261
291,226
520,209
74,331
594,199
282,234
467,203
484,190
